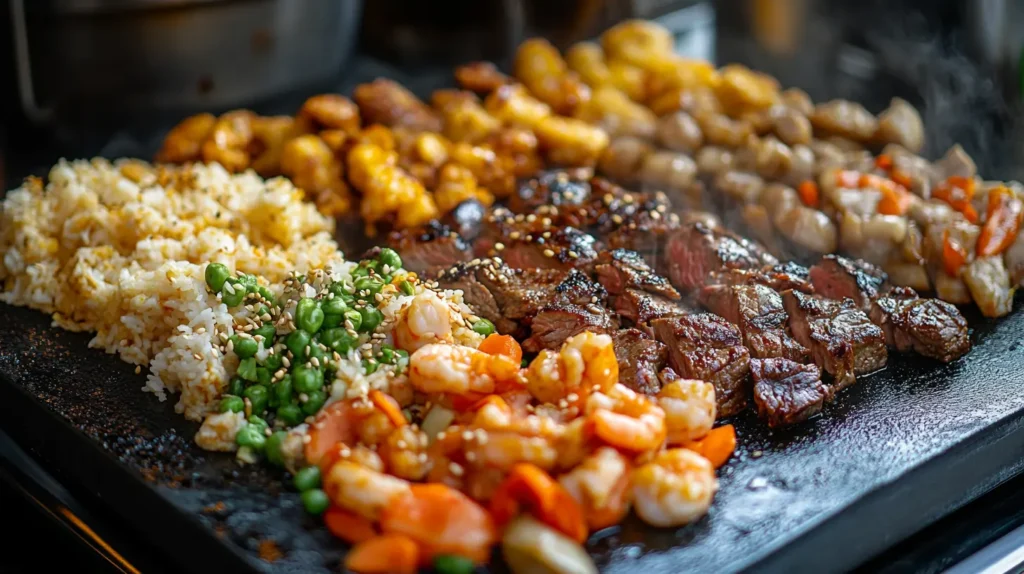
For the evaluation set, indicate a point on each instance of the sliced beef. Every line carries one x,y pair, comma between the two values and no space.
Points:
932,327
696,251
466,219
645,233
463,276
707,347
841,338
837,277
621,269
534,241
757,310
429,248
640,308
560,320
787,392
779,277
640,359
558,188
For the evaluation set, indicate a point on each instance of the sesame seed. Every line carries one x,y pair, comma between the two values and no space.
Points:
286,362
401,444
572,397
467,435
549,253
455,469
306,439
138,369
441,435
471,456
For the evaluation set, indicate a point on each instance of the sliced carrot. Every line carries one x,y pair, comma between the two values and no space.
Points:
957,191
954,256
901,178
441,520
468,401
717,446
970,214
883,161
334,424
528,485
809,193
624,432
348,526
384,554
389,406
506,345
1003,222
895,199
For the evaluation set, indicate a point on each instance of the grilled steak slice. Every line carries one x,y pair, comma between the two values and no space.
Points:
532,241
931,327
841,338
558,188
640,359
837,277
621,269
645,233
695,251
463,276
640,308
779,277
429,248
757,310
707,347
787,392
466,219
560,320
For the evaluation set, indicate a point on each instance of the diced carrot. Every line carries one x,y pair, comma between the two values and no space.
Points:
506,345
549,502
848,179
809,193
384,554
970,214
389,406
957,191
348,526
717,446
883,161
954,256
468,401
895,199
623,431
441,520
334,424
1002,224
490,400
901,178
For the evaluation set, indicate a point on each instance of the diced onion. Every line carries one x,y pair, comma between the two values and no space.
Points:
437,419
531,547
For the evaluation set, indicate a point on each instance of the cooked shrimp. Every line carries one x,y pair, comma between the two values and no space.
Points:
674,488
425,321
585,363
401,453
626,420
689,407
347,423
504,449
458,370
601,484
362,490
185,140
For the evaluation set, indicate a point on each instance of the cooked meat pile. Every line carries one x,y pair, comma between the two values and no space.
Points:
555,263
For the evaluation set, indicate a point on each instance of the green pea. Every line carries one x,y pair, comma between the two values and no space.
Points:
267,331
236,386
483,326
232,403
272,362
249,281
316,352
387,355
373,285
340,289
274,446
283,390
297,342
308,315
360,271
251,436
453,564
407,288
315,501
314,401
372,317
232,293
267,295
216,275
334,338
247,369
401,359
258,421
332,321
355,317
524,363
244,347
258,396
307,380
307,478
334,306
290,414
370,366
390,258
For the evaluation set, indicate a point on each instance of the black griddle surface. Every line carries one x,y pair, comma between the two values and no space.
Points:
896,451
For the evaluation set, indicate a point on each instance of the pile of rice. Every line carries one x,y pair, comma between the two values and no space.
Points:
120,249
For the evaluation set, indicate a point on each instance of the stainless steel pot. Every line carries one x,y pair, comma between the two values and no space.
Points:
81,57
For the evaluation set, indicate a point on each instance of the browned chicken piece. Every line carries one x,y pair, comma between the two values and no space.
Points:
612,110
1014,260
721,130
955,162
465,120
738,187
842,340
787,392
587,60
696,250
757,311
694,100
570,142
623,158
640,308
386,102
845,119
540,67
310,164
621,269
229,141
515,106
773,160
837,277
713,160
640,359
708,348
678,131
518,150
331,112
269,136
797,99
480,77
901,124
989,284
429,248
808,229
930,327
667,170
184,142
792,126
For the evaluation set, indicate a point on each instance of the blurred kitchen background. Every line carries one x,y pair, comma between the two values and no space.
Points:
86,77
